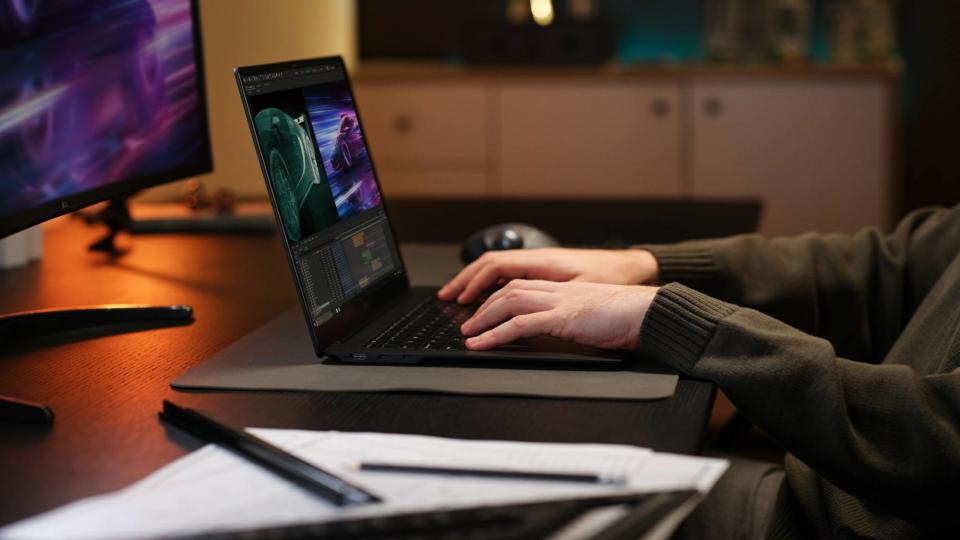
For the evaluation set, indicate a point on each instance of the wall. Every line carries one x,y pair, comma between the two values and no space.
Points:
243,32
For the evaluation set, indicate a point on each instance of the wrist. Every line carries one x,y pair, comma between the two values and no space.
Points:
644,266
679,325
645,299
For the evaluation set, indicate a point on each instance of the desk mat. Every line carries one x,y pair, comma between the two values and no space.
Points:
279,356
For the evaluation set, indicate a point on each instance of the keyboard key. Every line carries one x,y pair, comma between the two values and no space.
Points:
431,325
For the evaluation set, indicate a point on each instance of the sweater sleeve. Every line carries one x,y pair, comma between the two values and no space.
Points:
901,452
857,291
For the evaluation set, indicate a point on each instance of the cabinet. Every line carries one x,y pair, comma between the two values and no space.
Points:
814,144
588,139
814,151
428,139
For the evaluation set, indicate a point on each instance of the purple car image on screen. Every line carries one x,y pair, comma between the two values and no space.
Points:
346,161
83,105
349,145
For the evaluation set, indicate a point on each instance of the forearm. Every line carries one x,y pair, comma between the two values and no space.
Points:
809,281
880,433
857,291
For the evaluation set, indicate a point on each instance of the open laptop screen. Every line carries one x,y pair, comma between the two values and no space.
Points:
323,183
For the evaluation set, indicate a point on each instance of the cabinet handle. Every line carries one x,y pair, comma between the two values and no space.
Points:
660,107
713,107
403,124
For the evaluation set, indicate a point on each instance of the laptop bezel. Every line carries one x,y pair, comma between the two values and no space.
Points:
354,313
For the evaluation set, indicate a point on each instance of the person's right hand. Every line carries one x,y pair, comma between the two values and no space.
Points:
615,267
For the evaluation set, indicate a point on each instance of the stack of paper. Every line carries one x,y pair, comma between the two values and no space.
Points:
213,489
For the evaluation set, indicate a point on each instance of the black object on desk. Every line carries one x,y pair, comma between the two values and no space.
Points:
21,410
307,475
45,322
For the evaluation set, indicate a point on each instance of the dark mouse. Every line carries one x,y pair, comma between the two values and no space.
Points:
504,236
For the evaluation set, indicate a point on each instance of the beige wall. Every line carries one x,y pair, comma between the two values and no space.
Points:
244,32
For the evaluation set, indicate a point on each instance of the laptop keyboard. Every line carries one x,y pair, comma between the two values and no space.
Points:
432,324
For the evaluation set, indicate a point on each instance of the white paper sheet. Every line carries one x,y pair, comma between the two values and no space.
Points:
214,489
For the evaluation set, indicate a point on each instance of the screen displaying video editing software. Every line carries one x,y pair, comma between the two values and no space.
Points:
323,183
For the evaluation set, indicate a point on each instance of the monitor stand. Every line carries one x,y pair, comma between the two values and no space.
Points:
32,325
116,216
249,220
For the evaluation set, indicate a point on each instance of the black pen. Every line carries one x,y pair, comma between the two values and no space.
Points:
492,473
307,475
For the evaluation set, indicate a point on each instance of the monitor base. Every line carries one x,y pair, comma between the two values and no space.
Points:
21,410
247,219
32,325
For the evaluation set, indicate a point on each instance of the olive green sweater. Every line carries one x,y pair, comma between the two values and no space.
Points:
845,349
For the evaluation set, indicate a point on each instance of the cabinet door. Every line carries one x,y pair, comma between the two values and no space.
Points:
428,139
588,139
816,153
424,121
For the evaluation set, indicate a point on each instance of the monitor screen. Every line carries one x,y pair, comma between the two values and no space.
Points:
322,182
97,100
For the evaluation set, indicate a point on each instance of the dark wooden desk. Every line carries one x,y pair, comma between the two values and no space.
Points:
107,391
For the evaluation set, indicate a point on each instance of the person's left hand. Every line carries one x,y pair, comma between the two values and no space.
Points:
599,315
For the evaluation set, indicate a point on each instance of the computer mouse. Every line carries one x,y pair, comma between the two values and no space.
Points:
502,237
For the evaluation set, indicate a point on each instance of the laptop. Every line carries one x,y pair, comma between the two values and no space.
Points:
333,220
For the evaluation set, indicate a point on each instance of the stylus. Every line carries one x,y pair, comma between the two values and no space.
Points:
326,484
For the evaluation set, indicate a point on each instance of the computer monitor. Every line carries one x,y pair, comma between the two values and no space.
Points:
98,100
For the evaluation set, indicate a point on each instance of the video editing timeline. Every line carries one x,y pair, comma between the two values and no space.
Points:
342,268
367,258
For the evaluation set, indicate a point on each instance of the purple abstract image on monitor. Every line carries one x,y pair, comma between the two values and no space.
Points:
93,93
346,161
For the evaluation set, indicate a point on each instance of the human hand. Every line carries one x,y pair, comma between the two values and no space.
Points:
595,314
617,267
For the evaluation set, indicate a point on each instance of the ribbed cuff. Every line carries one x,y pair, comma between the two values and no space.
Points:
679,325
684,264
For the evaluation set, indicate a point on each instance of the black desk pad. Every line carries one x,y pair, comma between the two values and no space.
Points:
279,356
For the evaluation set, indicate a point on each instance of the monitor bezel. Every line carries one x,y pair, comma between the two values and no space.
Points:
363,306
121,188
